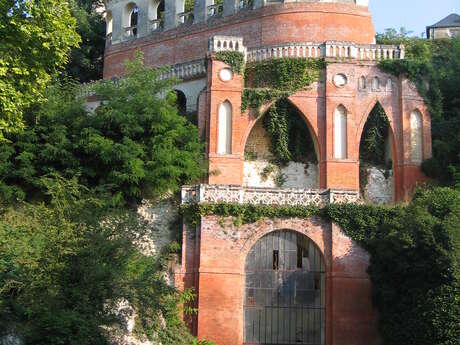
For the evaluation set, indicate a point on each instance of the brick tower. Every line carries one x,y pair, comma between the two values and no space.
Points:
291,280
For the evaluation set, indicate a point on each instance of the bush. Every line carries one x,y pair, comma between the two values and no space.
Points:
135,145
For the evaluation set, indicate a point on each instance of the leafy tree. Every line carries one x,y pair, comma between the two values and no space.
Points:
35,39
86,61
135,144
66,267
415,264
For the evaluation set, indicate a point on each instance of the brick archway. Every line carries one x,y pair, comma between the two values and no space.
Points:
218,275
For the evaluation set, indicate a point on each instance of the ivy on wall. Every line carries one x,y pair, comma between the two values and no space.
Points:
272,79
234,59
375,133
290,138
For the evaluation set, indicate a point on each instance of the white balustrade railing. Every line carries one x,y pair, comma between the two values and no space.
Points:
186,70
333,50
265,196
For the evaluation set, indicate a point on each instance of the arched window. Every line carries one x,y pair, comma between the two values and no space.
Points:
156,14
224,141
375,84
133,20
340,132
362,83
416,153
130,20
389,86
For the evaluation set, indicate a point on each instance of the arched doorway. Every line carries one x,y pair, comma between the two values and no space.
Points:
284,291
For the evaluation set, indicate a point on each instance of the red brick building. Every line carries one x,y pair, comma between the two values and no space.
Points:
289,281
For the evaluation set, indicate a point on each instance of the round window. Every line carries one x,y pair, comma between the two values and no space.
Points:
226,74
340,80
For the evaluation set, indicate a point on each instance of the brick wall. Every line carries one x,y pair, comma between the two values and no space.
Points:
218,276
274,24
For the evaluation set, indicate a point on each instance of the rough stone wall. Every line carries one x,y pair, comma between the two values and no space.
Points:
294,175
379,185
160,216
259,172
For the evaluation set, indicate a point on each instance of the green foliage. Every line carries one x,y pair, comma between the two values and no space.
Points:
35,39
65,268
375,134
188,5
86,61
272,79
289,135
232,58
245,213
255,98
417,299
285,74
135,145
434,66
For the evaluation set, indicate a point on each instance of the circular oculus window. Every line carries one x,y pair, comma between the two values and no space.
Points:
226,74
340,80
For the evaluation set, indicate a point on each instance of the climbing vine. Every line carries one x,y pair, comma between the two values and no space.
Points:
234,59
273,79
422,74
290,138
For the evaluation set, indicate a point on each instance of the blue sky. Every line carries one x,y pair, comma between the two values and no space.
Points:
414,15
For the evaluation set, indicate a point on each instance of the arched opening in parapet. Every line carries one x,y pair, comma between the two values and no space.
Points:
156,14
280,150
130,20
376,156
285,297
181,101
109,24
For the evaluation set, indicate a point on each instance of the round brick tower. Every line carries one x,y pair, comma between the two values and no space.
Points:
291,280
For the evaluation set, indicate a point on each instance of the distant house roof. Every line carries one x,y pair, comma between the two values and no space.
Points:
452,20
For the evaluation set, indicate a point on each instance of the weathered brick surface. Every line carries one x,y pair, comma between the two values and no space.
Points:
350,318
290,22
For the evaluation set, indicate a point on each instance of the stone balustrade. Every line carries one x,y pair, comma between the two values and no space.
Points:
188,70
266,196
184,71
333,50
